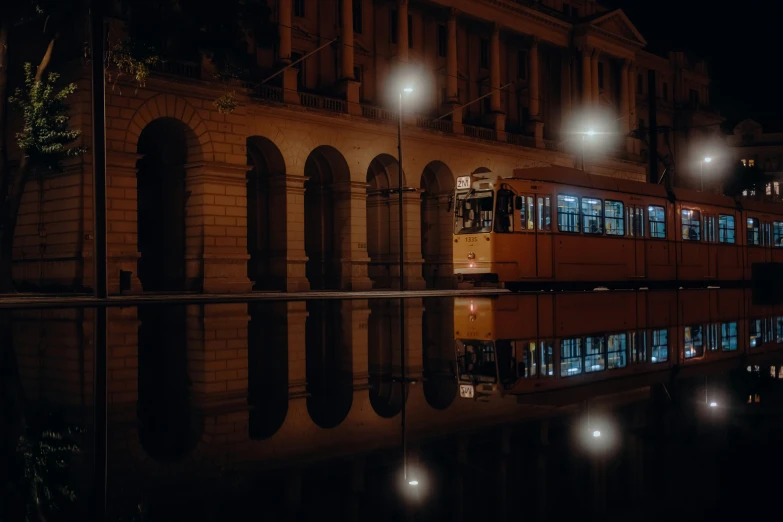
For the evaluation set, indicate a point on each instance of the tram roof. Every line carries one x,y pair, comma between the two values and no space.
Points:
576,177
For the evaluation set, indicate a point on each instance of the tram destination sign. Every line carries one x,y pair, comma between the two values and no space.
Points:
463,182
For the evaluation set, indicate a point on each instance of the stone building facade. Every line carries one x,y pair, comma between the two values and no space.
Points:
752,147
296,189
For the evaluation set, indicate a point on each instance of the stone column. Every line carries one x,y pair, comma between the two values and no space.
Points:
625,112
452,72
587,82
288,258
536,123
349,84
290,94
122,240
565,89
412,237
595,90
402,32
216,228
494,84
350,202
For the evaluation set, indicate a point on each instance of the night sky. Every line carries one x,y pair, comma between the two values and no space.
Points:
741,41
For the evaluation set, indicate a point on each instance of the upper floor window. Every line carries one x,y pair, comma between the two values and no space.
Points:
665,91
442,40
600,75
640,84
393,26
694,98
299,8
357,16
484,54
522,65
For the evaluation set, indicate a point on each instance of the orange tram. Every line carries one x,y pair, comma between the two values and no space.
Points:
519,344
558,224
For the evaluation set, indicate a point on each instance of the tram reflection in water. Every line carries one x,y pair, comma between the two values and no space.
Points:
527,343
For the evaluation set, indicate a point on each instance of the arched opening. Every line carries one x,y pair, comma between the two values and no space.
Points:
267,391
324,167
265,161
165,145
329,367
383,357
167,431
437,184
382,219
440,382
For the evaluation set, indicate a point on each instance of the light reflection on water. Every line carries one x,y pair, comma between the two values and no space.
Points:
297,404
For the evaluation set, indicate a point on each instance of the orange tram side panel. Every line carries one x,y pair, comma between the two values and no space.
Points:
526,343
563,225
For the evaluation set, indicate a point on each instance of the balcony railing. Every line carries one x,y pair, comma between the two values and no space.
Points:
479,132
377,113
553,145
184,69
314,101
267,92
521,140
434,123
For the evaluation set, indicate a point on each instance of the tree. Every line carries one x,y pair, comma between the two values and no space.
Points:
741,178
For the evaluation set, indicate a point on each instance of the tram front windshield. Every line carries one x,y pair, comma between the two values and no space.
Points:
473,212
476,361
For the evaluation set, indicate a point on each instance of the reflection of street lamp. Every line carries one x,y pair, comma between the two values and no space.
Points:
405,90
590,133
707,159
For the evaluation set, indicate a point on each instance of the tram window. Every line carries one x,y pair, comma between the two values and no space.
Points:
726,229
660,346
779,329
544,214
777,234
567,213
636,218
504,217
592,216
530,361
506,359
570,357
691,225
473,212
547,359
616,351
694,341
711,336
595,359
614,218
755,333
526,214
728,337
753,231
709,229
638,347
657,217
766,234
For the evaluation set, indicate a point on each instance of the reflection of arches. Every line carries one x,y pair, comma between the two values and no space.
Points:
166,424
165,145
267,386
437,183
266,162
329,367
385,396
382,218
324,167
440,382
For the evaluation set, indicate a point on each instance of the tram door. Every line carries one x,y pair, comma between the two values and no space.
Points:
636,231
536,213
711,238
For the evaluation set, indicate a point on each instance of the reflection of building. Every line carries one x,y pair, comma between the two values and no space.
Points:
275,195
752,147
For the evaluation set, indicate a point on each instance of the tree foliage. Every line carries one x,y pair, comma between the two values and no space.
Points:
45,137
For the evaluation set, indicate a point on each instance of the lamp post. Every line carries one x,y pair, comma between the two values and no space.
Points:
412,483
707,159
590,133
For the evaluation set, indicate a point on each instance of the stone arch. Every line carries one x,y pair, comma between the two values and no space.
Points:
265,165
166,147
174,107
383,220
168,427
437,184
327,215
328,364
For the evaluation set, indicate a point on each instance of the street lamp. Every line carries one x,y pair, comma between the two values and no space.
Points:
707,159
591,133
